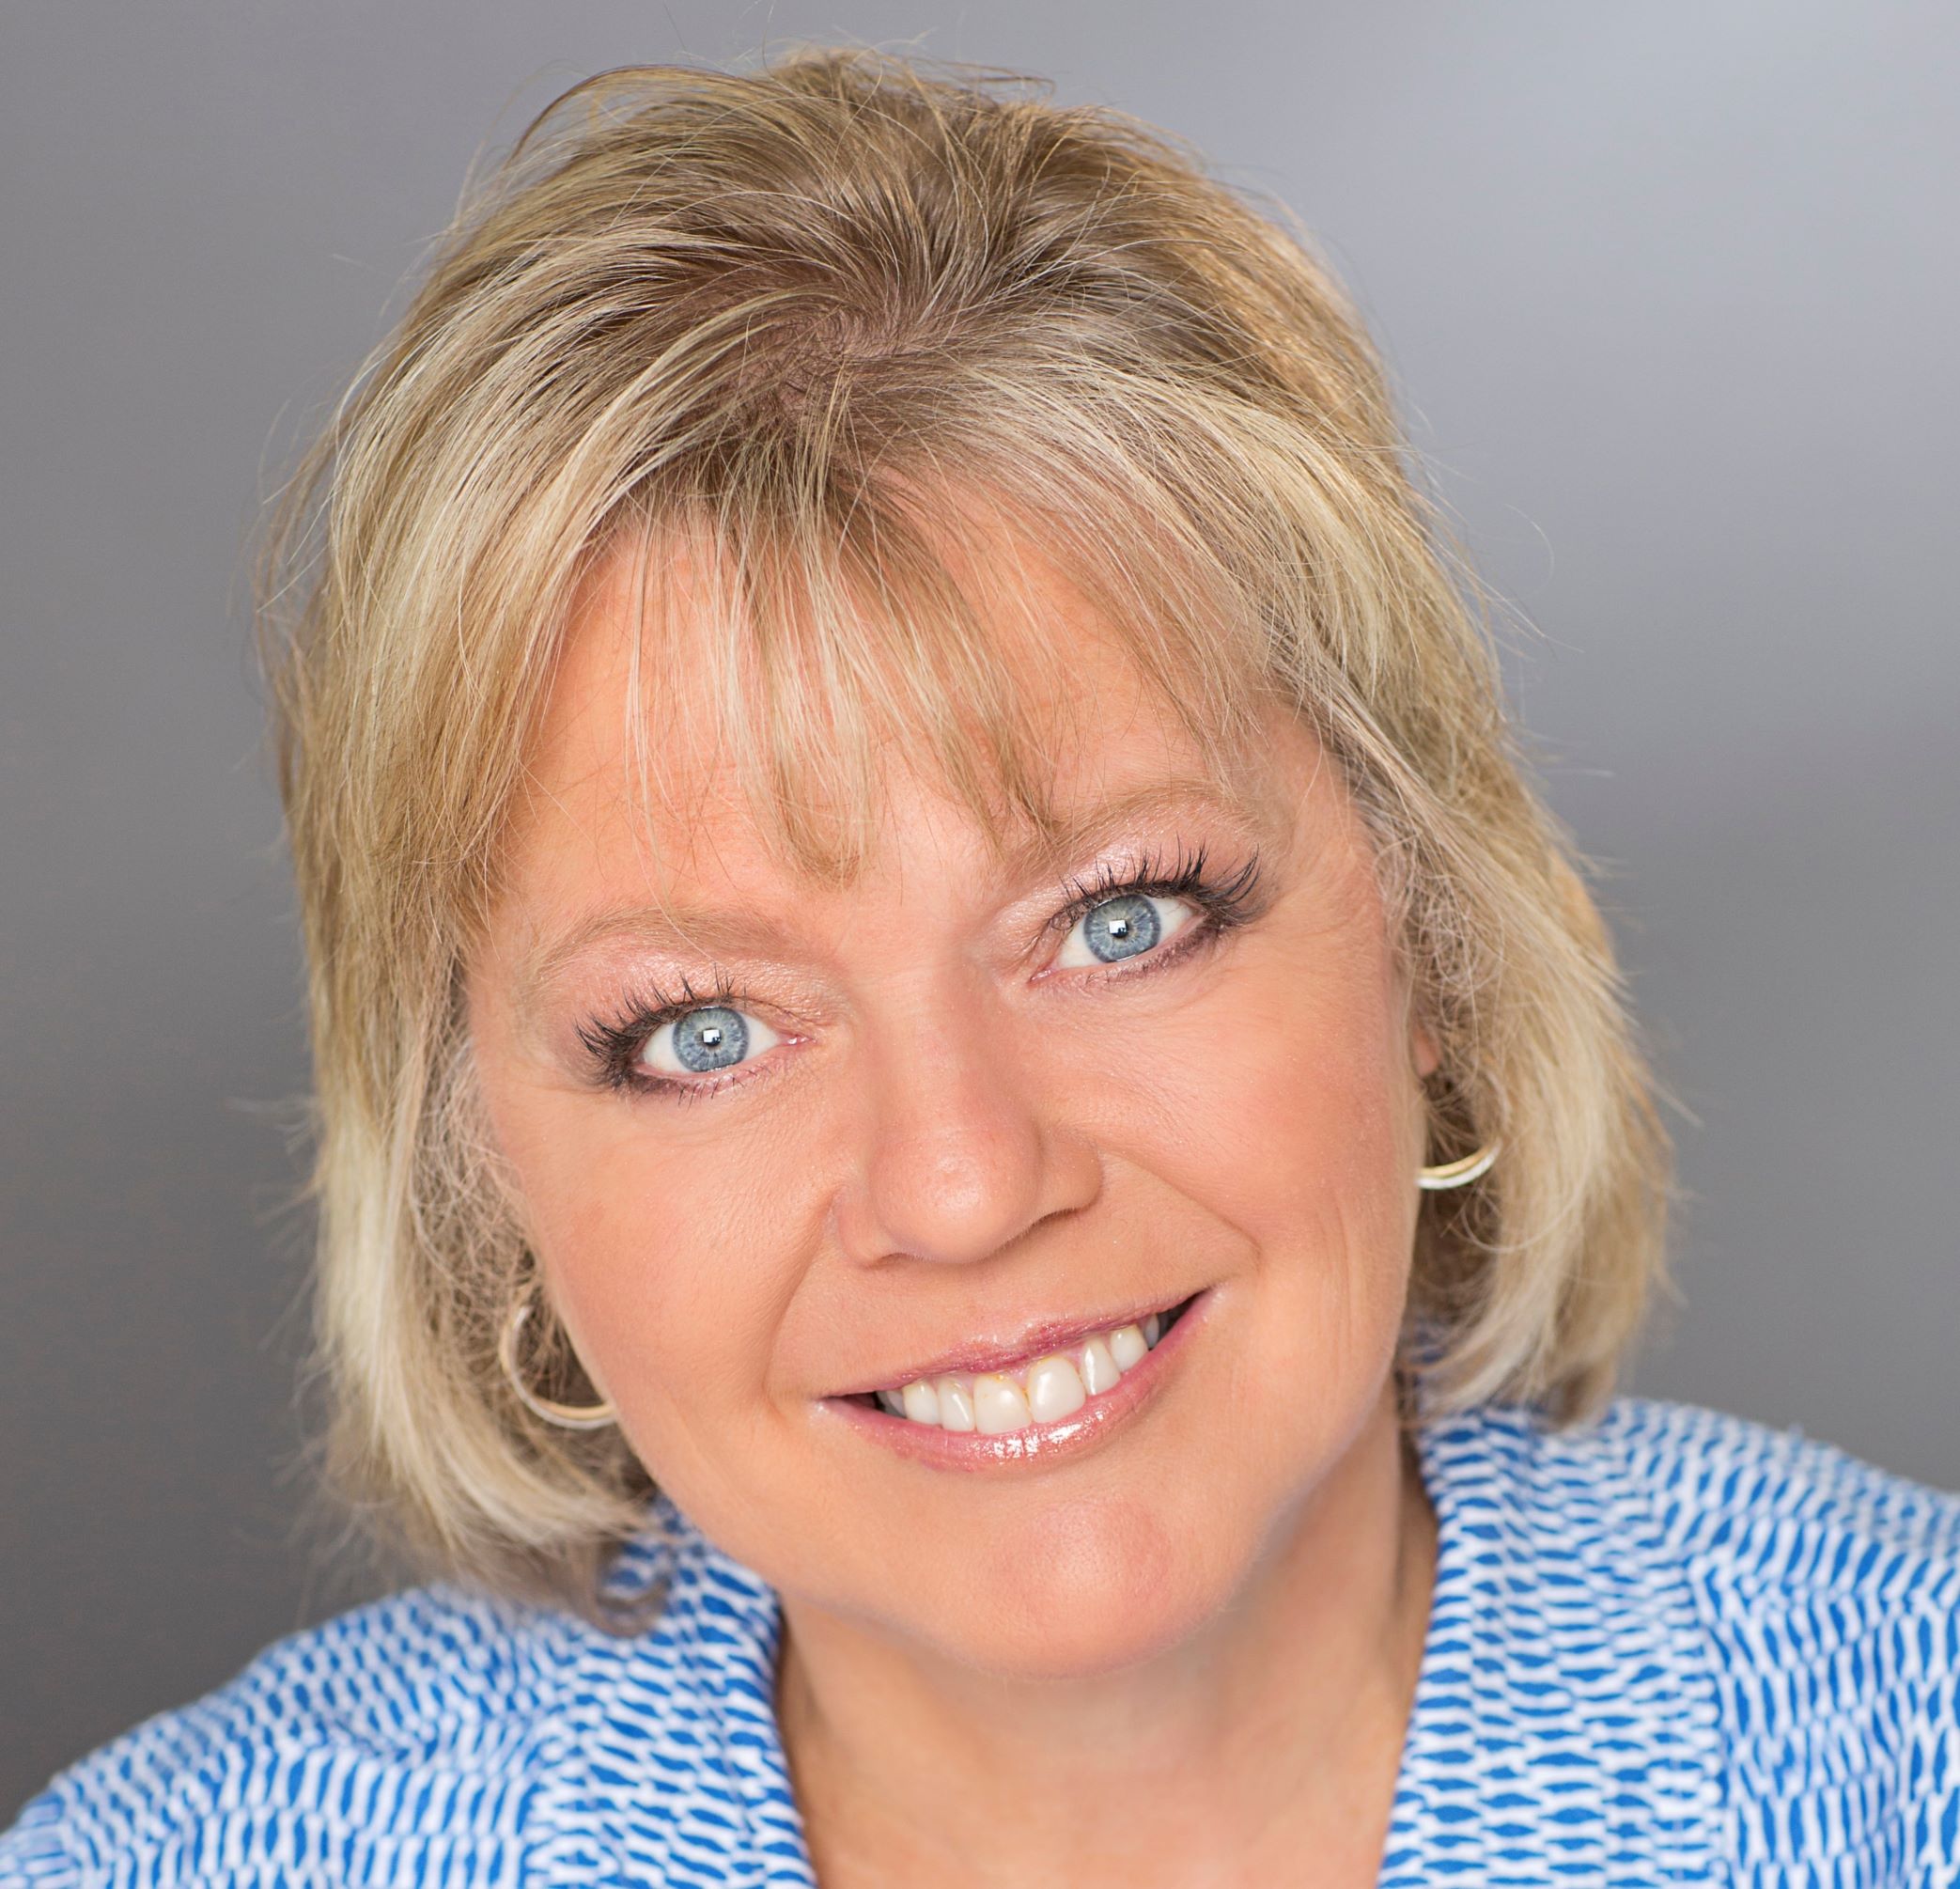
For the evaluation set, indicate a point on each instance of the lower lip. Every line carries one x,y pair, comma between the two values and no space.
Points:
1087,1429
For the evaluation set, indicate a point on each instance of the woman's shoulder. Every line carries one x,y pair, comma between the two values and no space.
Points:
439,1735
1749,1510
411,1716
1779,1617
451,1737
1765,1526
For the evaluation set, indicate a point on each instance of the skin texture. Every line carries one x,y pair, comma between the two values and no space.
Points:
1178,1656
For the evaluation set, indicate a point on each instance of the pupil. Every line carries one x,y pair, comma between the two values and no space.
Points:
710,1040
1122,928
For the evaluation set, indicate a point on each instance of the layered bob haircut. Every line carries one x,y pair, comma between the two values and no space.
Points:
842,322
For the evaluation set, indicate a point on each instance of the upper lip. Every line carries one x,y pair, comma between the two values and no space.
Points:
1033,1338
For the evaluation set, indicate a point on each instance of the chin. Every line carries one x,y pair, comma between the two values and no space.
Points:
1094,1587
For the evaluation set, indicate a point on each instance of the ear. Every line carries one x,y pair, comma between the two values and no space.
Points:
1423,1050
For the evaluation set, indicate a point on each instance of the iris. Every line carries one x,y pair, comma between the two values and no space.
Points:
711,1039
1122,928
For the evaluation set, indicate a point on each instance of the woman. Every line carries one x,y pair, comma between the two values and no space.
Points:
980,1169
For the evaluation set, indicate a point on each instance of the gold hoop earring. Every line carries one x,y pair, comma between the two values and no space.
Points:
1459,1173
566,1416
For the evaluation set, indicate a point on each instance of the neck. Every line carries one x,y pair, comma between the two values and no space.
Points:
1278,1724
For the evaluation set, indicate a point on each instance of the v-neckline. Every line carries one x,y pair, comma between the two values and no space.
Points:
1552,1738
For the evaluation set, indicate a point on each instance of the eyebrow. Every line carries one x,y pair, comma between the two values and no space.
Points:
1040,857
706,929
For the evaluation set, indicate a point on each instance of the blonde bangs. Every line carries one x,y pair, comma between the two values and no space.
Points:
904,627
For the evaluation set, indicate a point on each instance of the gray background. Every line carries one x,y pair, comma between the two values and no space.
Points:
1670,293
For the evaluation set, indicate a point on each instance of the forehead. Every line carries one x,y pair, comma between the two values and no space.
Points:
683,722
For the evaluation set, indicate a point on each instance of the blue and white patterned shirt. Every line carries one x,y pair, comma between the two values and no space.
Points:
1671,1648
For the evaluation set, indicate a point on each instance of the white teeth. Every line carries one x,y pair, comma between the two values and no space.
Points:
1050,1388
1054,1391
998,1404
1099,1372
955,1403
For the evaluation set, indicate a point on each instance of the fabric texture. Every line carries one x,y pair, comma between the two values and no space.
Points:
1669,1647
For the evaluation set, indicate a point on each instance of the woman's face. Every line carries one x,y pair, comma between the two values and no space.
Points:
959,1116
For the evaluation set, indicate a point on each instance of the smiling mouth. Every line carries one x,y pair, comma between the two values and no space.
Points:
1042,1388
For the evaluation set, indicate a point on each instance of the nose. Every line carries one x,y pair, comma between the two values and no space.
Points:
962,1150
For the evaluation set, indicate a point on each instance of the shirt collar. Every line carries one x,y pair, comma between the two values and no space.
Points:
1564,1728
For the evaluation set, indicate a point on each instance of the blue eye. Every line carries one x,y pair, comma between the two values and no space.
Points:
1127,926
683,1047
702,1041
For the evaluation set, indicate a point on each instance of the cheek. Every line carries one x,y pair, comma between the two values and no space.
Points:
1303,1132
658,1257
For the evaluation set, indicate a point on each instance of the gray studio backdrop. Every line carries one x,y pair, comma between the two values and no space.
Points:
1668,290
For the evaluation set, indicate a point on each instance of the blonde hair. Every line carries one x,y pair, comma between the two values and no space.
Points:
819,318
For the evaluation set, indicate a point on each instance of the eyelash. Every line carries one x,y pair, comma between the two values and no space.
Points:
615,1046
